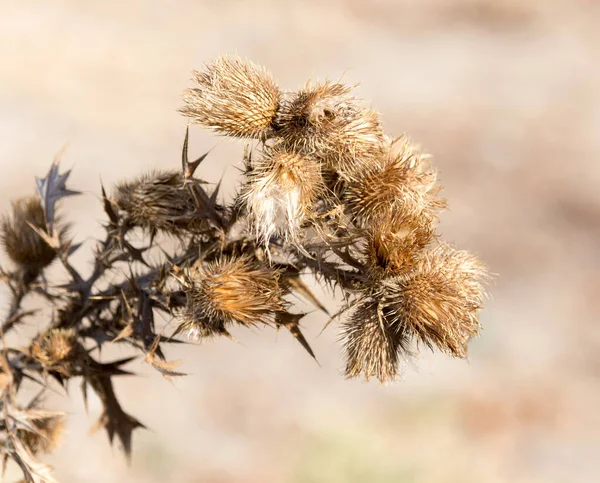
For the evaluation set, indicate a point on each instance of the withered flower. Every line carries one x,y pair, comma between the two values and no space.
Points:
394,248
229,290
372,346
57,350
23,245
326,121
46,432
399,190
439,300
234,97
280,191
160,201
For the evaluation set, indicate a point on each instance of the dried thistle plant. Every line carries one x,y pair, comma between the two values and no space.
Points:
324,193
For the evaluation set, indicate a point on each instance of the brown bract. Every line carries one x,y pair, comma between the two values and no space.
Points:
326,121
439,300
22,244
160,201
233,97
230,290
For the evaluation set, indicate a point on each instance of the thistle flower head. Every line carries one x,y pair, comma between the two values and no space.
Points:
325,120
280,192
400,190
233,97
57,350
230,290
160,201
23,245
394,248
439,300
45,433
371,345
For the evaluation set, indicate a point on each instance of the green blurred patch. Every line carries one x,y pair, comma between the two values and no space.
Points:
355,456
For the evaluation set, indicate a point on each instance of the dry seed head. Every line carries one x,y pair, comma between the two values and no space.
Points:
230,290
439,300
372,347
400,190
48,435
394,248
280,192
160,201
326,121
57,350
233,97
22,244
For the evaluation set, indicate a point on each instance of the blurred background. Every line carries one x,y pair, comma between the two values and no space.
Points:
506,96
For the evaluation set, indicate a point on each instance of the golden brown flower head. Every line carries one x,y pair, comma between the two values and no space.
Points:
439,300
324,120
230,290
280,192
394,248
234,97
400,190
160,201
57,350
22,244
372,347
46,434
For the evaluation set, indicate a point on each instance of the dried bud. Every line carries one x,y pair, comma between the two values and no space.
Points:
22,244
229,290
280,192
439,300
400,190
372,347
160,201
46,433
234,97
326,121
57,350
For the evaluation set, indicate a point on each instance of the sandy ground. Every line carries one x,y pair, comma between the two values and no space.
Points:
504,93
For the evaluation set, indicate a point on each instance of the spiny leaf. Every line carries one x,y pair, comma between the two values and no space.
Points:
109,209
51,189
291,323
295,282
113,419
145,325
164,367
125,333
187,167
109,368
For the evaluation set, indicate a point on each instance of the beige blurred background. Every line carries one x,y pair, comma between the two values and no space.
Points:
504,93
